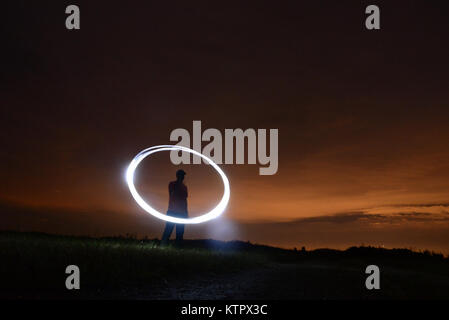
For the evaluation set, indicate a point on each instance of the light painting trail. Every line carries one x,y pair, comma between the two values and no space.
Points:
214,213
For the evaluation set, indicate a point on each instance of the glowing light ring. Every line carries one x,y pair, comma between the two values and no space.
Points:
214,213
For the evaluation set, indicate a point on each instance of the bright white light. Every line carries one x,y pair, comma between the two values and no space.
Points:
215,212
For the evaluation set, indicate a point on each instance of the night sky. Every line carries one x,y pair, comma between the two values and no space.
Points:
362,117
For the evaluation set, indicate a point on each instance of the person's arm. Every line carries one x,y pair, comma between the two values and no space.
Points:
170,189
187,210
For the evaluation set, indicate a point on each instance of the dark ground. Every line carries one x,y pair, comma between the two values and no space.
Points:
33,267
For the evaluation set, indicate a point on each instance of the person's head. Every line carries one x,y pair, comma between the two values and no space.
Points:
180,175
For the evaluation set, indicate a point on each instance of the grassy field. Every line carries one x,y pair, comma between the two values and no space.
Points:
33,266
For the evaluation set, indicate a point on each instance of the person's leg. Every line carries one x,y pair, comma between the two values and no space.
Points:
179,232
167,232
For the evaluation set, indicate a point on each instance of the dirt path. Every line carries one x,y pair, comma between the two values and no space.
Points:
297,281
275,281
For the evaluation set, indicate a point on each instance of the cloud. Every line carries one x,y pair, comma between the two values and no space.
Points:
389,214
338,218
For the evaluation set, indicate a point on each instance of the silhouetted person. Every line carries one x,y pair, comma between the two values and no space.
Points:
177,207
